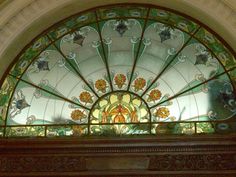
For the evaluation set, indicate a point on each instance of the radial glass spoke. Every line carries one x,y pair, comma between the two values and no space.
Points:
172,56
24,108
160,45
103,50
215,100
121,57
51,71
193,65
138,49
84,51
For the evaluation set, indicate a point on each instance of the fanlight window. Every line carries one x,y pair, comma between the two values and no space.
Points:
121,71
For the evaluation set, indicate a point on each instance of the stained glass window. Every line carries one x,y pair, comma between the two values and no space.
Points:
121,71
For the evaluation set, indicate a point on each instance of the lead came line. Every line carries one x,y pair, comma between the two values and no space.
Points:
104,52
139,46
40,88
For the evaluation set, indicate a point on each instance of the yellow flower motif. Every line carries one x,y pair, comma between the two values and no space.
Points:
162,112
154,95
77,115
120,80
86,97
101,85
139,83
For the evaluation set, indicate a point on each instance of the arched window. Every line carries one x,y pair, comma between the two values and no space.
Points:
121,70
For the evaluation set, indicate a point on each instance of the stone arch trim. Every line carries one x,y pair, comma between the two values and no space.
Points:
21,21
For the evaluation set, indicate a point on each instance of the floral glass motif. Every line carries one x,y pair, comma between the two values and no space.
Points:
121,70
120,107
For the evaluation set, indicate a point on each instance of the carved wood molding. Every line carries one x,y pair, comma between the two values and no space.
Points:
185,164
195,156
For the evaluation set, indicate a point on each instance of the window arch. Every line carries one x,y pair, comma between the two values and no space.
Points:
121,70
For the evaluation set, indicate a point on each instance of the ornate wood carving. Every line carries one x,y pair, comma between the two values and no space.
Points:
183,162
26,164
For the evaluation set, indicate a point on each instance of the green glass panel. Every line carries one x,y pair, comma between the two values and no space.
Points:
81,20
71,24
173,128
72,130
29,55
6,91
217,47
119,129
59,32
122,11
205,127
173,19
25,131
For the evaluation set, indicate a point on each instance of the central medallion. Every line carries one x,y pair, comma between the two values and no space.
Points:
119,111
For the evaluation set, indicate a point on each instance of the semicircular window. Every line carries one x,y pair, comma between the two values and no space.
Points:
118,71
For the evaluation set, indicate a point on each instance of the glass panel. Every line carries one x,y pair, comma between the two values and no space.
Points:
70,130
173,19
29,55
173,128
224,55
205,127
120,129
25,131
70,25
6,91
122,11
